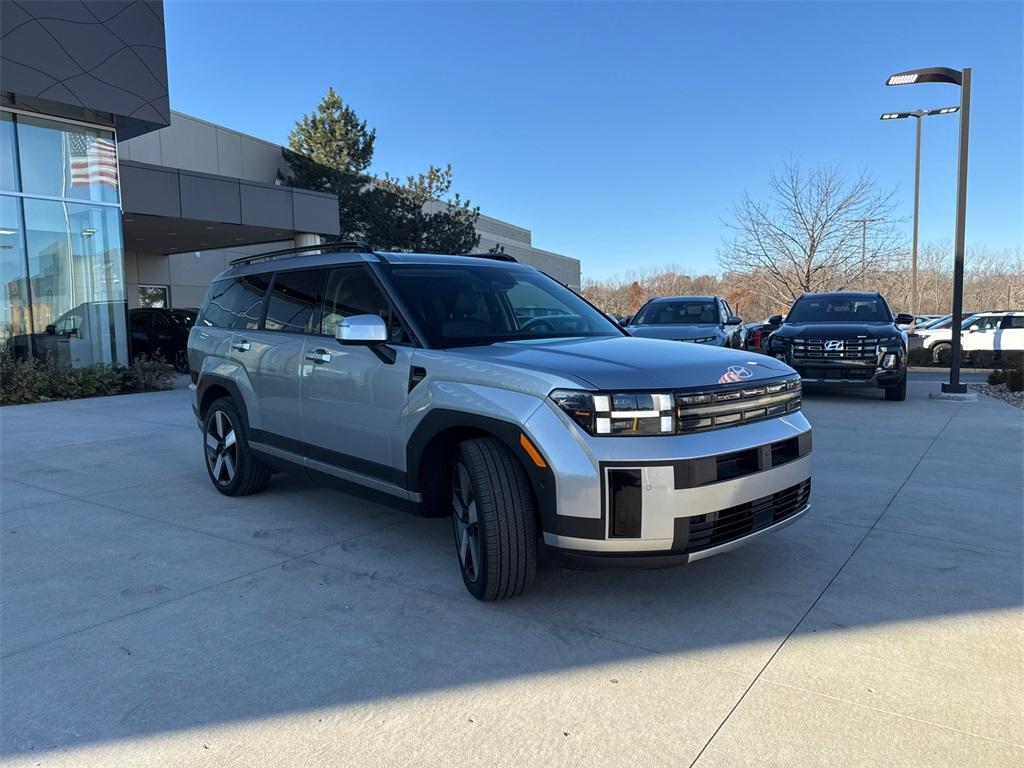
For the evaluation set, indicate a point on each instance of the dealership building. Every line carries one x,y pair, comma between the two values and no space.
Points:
109,199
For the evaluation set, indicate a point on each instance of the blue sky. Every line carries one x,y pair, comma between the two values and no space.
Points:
622,133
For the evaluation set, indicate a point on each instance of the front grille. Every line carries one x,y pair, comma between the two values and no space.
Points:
728,406
842,349
724,526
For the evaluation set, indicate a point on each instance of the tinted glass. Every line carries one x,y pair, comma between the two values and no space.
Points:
8,158
679,313
294,301
76,270
839,309
1013,321
235,303
461,305
15,306
983,323
66,160
353,291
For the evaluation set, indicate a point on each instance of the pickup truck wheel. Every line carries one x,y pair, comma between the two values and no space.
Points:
898,392
493,520
230,462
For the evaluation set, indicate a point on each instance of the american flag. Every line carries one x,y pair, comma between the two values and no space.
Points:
93,160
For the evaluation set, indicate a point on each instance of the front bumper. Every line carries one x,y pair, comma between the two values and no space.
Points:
692,496
849,373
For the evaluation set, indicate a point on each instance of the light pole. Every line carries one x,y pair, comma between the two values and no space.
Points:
918,113
864,244
963,79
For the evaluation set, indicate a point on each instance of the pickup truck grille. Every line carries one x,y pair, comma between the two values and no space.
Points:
702,411
838,349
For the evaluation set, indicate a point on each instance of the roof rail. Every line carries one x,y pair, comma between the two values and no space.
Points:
349,246
494,256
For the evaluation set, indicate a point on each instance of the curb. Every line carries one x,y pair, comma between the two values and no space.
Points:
928,369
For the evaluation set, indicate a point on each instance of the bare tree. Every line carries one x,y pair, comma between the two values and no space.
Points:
816,231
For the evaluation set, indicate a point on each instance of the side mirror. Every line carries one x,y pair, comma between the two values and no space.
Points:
734,320
51,330
361,329
903,319
775,320
974,328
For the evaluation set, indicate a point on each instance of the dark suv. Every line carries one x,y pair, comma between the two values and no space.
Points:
845,338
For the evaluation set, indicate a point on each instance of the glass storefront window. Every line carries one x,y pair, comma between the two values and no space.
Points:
67,160
15,309
8,156
76,280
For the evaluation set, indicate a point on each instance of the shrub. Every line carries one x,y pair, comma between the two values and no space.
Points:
919,356
1015,379
149,374
29,380
997,377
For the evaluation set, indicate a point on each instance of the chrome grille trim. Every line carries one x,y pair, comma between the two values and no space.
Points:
705,410
852,349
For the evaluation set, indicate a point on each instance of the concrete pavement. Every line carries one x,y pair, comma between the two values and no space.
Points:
147,620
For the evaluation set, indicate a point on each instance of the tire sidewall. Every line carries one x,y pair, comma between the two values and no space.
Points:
476,588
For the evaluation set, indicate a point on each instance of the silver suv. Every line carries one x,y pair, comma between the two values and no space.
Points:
480,388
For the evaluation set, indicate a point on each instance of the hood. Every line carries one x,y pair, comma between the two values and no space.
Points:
836,330
624,362
675,332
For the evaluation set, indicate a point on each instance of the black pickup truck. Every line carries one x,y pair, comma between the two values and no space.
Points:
845,338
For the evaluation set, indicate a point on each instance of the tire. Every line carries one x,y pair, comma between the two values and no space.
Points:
231,464
942,345
181,361
493,520
897,393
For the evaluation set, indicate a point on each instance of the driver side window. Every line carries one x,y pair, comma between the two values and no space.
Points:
353,291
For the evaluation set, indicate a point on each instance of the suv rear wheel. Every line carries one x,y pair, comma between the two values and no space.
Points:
230,462
493,520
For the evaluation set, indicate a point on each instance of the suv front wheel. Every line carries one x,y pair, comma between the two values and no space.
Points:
493,520
230,462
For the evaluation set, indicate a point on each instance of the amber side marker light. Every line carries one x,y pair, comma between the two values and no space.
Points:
533,452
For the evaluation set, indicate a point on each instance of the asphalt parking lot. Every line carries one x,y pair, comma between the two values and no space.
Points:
147,620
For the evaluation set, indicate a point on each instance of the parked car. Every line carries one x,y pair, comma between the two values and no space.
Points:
164,332
699,319
844,338
940,335
984,331
415,380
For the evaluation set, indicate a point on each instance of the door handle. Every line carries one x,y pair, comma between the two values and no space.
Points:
241,346
319,356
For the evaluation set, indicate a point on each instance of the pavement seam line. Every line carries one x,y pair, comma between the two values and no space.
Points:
275,564
900,715
827,586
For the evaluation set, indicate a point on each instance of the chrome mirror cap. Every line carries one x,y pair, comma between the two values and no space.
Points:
361,329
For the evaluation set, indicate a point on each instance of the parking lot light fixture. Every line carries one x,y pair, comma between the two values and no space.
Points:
918,113
963,79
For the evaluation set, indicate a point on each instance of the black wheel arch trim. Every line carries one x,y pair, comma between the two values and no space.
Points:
442,420
207,380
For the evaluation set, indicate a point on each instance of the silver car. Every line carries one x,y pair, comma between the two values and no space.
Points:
697,319
482,389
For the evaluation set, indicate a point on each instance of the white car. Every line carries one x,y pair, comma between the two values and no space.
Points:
985,331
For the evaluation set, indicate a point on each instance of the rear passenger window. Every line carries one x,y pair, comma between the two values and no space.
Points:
295,301
1013,322
352,291
235,303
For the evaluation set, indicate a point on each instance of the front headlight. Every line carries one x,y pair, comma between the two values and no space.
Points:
624,414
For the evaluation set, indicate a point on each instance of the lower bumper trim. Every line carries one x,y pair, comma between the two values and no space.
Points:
661,558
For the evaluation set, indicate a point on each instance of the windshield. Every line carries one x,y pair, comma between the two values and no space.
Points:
466,305
840,309
679,313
